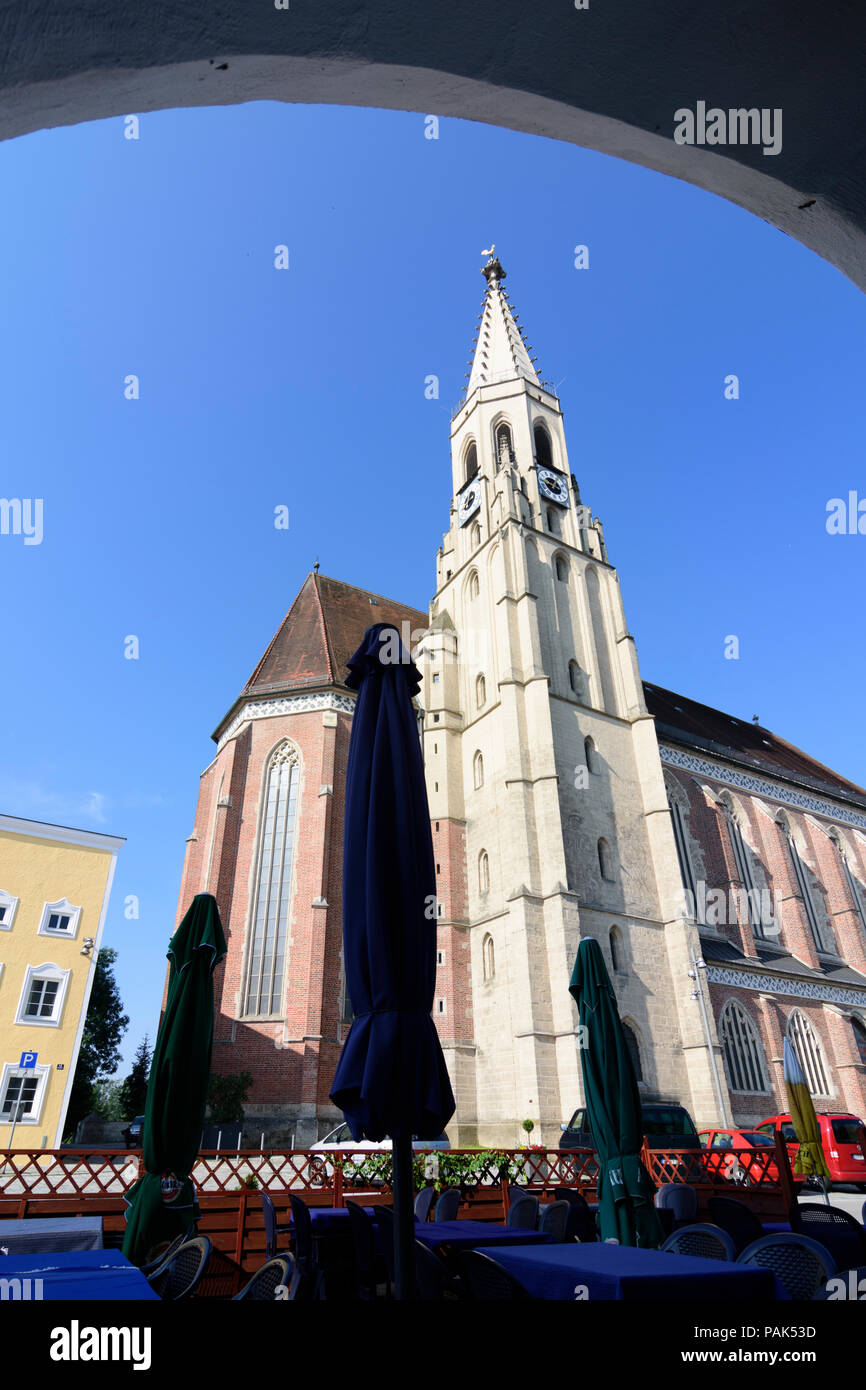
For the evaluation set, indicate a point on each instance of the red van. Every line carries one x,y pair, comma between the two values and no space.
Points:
838,1139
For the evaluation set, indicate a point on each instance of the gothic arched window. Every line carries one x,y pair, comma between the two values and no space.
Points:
821,935
488,957
504,445
859,1039
615,942
480,692
543,452
483,872
475,535
561,566
478,770
743,862
633,1048
471,463
681,840
604,860
590,755
853,887
552,521
743,1050
808,1048
269,920
474,585
575,679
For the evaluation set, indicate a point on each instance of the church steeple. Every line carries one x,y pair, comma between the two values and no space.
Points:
501,351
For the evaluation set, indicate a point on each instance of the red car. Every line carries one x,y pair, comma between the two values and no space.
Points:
838,1139
738,1166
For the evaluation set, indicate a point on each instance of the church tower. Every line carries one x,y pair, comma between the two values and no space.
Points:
546,789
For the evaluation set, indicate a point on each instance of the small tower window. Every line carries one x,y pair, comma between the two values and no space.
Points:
604,861
480,692
471,463
615,949
590,755
543,452
478,770
561,567
474,585
576,679
552,521
483,872
504,445
475,535
488,957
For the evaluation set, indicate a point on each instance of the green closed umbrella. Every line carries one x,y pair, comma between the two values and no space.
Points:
625,1191
162,1203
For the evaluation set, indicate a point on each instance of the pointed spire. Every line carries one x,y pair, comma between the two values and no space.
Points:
501,350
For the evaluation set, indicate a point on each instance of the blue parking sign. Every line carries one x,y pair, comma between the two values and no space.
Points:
28,1059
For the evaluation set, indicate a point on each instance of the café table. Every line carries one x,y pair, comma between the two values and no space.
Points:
104,1276
28,1235
594,1272
467,1235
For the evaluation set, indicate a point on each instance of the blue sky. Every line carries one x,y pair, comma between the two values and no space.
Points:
305,388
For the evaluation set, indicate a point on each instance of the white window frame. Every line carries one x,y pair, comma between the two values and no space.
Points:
7,900
47,971
42,1072
807,1044
68,910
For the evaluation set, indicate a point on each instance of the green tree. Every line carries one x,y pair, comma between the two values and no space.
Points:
134,1089
226,1095
106,1100
99,1054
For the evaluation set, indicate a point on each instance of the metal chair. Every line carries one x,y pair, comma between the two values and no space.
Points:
708,1242
554,1220
433,1280
272,1230
581,1220
799,1263
837,1230
680,1199
523,1214
423,1203
305,1250
485,1280
167,1253
370,1265
178,1276
740,1222
448,1205
262,1288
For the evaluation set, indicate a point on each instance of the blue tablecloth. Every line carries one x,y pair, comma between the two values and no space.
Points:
92,1275
328,1221
29,1235
619,1271
469,1234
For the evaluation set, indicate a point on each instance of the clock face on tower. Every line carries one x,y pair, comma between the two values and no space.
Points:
553,486
469,502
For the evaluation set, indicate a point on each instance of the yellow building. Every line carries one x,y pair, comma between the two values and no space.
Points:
54,888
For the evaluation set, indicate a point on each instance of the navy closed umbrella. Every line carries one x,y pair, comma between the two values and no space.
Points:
391,1080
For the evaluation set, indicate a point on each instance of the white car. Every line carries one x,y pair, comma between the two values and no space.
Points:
358,1157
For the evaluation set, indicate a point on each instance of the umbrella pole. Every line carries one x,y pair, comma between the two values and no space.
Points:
404,1216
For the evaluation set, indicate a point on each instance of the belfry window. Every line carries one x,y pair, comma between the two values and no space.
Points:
270,918
504,445
543,452
471,463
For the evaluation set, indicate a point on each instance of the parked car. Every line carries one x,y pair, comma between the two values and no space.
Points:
665,1127
838,1139
132,1133
355,1152
733,1168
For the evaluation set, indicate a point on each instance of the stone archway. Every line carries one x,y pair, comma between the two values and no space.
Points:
609,77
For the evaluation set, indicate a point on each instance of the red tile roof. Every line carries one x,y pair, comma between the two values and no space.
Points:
320,632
